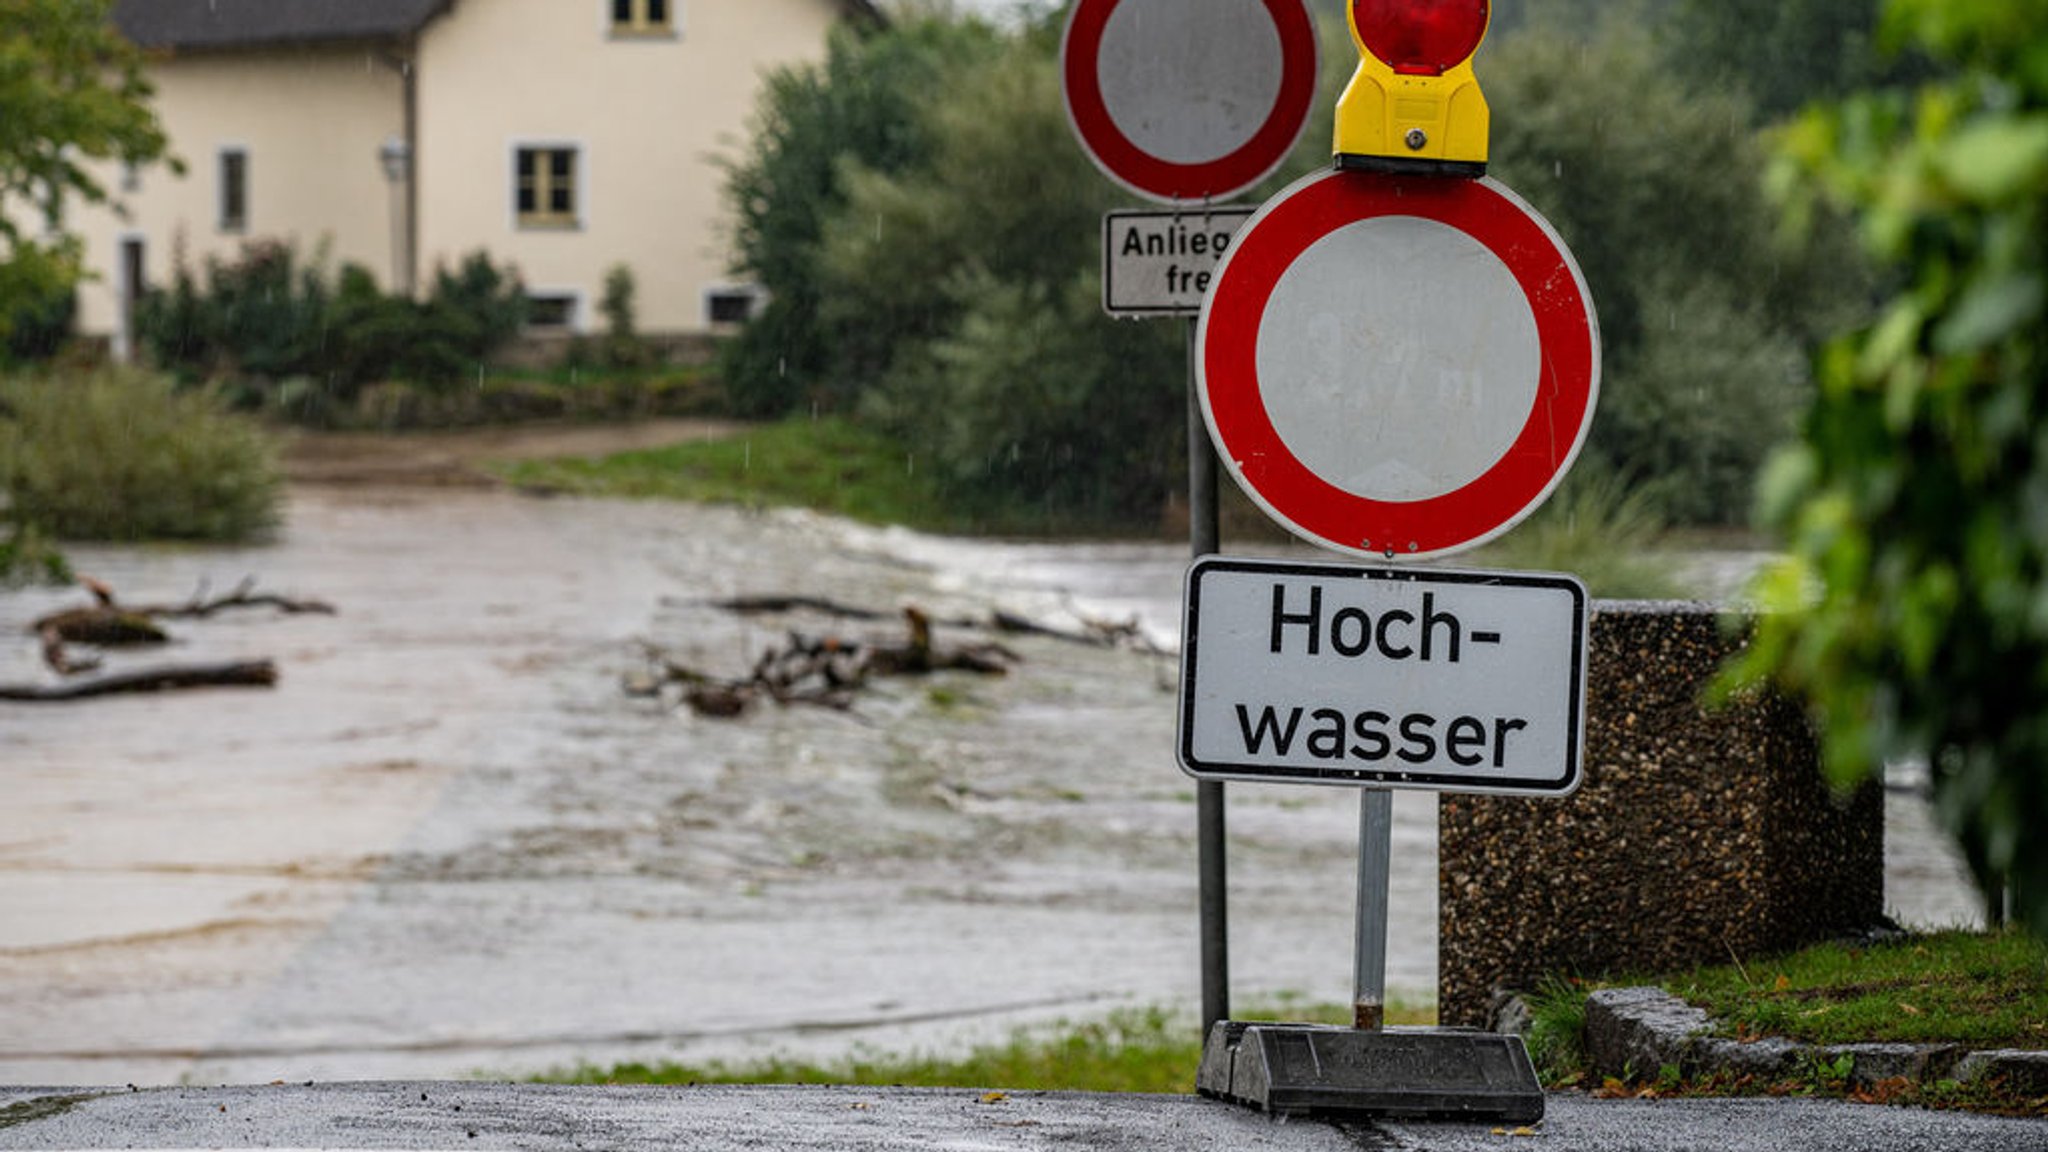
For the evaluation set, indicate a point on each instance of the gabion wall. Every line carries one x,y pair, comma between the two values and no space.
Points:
1698,834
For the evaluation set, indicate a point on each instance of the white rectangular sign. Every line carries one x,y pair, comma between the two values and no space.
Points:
1321,673
1160,263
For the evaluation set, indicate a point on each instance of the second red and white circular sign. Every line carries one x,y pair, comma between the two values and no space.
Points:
1188,101
1398,366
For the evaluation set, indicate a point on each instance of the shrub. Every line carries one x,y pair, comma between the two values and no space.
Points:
264,320
121,455
623,347
40,327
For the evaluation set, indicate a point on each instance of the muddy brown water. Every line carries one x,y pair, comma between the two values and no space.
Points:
448,843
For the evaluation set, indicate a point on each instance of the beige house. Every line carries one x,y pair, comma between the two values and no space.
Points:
565,137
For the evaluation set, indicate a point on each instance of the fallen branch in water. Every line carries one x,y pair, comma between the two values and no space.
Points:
108,623
823,671
241,674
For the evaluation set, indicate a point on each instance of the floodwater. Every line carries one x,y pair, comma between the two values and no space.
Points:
450,843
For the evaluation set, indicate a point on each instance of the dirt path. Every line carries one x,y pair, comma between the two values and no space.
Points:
457,459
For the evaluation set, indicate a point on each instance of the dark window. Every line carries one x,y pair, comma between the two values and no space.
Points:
731,306
234,190
550,310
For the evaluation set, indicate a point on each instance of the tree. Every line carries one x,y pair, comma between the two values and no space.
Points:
990,354
864,105
1913,612
1785,54
71,92
1706,312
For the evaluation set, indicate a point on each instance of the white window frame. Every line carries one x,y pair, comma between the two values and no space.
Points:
579,180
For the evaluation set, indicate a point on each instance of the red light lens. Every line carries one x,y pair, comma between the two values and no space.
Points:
1421,37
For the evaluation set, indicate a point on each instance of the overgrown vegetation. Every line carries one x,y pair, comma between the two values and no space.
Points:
121,455
1596,528
988,350
1916,509
293,335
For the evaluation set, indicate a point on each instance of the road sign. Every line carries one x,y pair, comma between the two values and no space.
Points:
1183,101
1161,263
1445,680
1398,365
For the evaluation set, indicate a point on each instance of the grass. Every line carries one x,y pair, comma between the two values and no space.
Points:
1597,529
1975,989
1134,1050
828,465
1982,990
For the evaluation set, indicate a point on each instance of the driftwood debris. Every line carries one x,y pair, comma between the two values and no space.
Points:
239,674
109,623
1096,633
826,671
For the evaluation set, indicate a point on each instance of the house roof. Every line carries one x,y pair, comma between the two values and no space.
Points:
247,23
240,23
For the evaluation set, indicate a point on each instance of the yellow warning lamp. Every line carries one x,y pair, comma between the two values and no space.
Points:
1414,105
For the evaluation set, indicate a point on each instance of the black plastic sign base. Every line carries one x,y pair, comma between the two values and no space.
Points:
1307,1069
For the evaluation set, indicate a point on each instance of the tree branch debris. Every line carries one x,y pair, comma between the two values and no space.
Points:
108,623
825,671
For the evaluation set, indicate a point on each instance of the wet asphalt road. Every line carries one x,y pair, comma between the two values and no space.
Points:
537,1119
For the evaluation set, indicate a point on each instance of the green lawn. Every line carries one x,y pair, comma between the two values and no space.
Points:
828,465
1977,989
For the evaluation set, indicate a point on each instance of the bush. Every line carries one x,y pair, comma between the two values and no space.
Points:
265,319
1913,611
121,455
40,327
1706,308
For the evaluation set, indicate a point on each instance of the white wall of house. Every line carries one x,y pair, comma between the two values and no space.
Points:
309,122
645,115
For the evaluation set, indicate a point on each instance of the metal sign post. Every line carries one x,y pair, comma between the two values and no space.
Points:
1375,861
1188,103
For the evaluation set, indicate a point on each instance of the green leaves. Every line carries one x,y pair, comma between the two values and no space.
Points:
71,91
1916,508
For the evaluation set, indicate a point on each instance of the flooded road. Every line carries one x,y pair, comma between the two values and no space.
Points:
448,842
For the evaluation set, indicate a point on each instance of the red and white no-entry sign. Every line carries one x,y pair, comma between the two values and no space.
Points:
1398,366
1183,101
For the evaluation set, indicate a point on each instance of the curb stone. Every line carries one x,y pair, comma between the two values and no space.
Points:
1635,1032
2025,1071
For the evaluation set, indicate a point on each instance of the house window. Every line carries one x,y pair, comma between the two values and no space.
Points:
727,306
544,187
551,310
643,17
234,190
